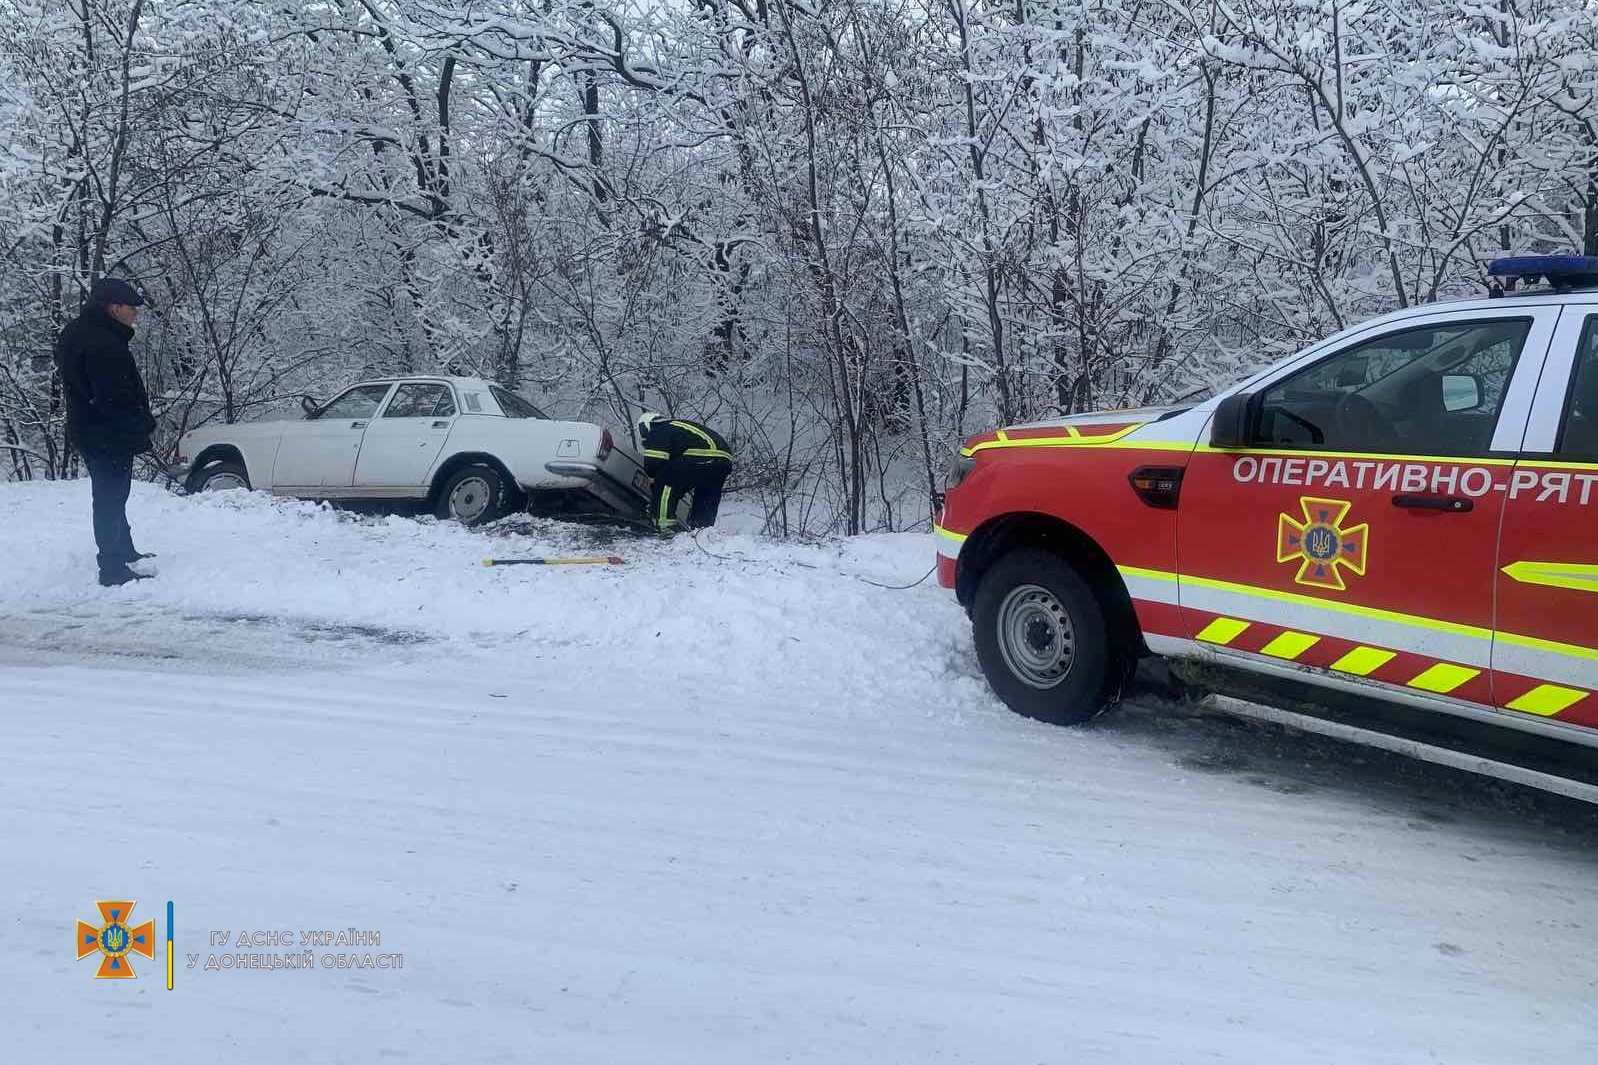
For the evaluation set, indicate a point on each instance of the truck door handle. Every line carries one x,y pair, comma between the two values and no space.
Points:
1446,504
357,425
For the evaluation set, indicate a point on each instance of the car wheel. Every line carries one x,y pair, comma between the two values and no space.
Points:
1042,639
474,495
220,477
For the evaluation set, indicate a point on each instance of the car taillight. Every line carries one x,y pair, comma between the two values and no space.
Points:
606,444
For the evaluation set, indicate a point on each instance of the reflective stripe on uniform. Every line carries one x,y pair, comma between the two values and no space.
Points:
709,451
656,453
663,518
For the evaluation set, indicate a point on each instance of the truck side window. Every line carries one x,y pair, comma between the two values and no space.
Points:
1578,434
1430,390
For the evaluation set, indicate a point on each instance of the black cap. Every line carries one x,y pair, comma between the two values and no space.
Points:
109,290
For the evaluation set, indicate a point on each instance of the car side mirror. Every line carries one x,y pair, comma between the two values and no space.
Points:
1233,425
1461,391
308,405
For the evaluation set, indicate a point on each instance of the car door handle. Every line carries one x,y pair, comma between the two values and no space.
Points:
357,425
1445,504
441,425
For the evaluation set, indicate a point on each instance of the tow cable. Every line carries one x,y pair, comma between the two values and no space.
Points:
866,580
616,560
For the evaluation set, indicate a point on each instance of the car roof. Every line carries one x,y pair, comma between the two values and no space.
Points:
459,382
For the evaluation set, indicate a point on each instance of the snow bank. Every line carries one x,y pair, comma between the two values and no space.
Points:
699,811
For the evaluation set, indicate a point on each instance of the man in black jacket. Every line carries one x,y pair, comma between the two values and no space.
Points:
108,415
683,457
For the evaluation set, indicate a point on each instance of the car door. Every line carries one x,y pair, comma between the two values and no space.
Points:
1545,648
403,442
321,451
1356,532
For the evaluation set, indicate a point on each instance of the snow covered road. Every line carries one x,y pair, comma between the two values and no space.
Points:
691,810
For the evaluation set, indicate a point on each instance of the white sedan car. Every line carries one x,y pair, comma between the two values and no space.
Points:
470,448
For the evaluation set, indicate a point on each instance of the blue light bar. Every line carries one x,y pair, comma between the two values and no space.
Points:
1562,271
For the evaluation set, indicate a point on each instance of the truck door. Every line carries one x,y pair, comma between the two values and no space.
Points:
403,442
1545,649
1357,531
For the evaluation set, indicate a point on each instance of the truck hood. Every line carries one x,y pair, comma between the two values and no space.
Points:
1078,430
1138,415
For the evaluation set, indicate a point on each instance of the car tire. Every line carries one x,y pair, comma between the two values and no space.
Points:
474,495
1042,638
220,477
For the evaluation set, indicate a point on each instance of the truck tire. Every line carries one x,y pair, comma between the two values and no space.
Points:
474,495
1042,638
219,477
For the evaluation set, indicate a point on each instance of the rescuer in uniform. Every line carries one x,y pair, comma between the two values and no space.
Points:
683,457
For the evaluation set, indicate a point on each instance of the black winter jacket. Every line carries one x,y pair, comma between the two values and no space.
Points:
680,440
108,411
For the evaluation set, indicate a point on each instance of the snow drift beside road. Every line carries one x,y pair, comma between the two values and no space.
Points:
688,810
669,612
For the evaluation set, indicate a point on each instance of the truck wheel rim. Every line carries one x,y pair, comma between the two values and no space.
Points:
468,500
1035,636
222,482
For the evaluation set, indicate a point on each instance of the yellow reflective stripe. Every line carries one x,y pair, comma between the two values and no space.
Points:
1576,576
1416,620
700,433
655,453
1570,650
1002,435
709,451
1269,452
1222,631
1290,645
1150,574
1442,678
1550,464
663,516
1546,700
958,538
1073,439
1363,661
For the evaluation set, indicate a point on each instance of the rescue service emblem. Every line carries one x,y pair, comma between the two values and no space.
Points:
1320,544
114,938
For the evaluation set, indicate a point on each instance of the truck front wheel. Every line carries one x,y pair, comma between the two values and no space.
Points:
1042,638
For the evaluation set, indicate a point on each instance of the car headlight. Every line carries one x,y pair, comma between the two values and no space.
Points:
958,468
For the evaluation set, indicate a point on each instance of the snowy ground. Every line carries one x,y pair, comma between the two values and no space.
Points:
695,810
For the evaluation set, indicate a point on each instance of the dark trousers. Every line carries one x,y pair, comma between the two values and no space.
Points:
110,481
701,481
707,495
